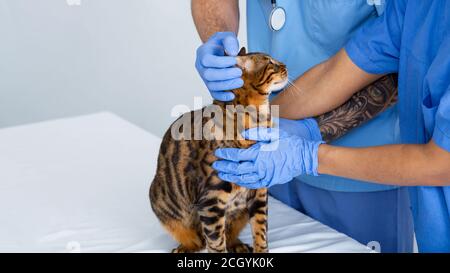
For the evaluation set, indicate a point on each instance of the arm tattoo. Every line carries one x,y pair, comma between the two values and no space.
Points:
360,108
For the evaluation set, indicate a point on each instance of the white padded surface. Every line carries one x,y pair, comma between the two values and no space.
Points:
81,184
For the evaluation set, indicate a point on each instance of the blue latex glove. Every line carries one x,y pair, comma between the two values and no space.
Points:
276,158
217,70
306,128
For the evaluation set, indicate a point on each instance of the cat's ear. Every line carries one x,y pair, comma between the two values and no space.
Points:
242,52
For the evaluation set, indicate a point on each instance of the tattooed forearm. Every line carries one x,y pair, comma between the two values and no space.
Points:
360,108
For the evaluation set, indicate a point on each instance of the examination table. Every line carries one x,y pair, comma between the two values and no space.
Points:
81,185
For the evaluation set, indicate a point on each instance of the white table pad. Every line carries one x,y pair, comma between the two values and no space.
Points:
81,184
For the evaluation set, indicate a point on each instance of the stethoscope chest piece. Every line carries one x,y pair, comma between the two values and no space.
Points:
277,18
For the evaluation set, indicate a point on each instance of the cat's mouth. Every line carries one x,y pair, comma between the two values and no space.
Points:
278,85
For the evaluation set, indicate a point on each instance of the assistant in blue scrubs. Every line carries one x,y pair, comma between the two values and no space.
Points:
314,31
413,39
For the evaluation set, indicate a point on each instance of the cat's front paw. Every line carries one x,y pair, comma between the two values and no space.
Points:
260,249
182,249
240,248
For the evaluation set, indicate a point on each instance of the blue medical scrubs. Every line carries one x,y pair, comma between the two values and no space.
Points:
413,38
314,31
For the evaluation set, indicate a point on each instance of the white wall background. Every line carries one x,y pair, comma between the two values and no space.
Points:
132,57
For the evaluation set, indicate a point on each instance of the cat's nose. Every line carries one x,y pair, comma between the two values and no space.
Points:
279,67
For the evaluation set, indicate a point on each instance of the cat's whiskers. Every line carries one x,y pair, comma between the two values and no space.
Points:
291,92
291,83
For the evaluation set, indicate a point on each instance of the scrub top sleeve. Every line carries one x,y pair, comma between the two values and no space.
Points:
375,47
441,133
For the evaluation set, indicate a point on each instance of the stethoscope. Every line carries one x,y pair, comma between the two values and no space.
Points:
277,17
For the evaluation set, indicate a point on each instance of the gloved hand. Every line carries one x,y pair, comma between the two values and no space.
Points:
306,128
276,158
216,69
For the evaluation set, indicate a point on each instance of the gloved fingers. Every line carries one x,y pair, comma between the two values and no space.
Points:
281,123
251,186
262,134
276,121
292,127
243,179
236,154
225,85
221,74
228,40
313,128
231,167
222,95
217,61
231,45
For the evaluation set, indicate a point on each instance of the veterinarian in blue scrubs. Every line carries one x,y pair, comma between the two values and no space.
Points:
419,49
314,31
413,39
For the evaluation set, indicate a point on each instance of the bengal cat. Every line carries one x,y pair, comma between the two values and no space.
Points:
196,207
